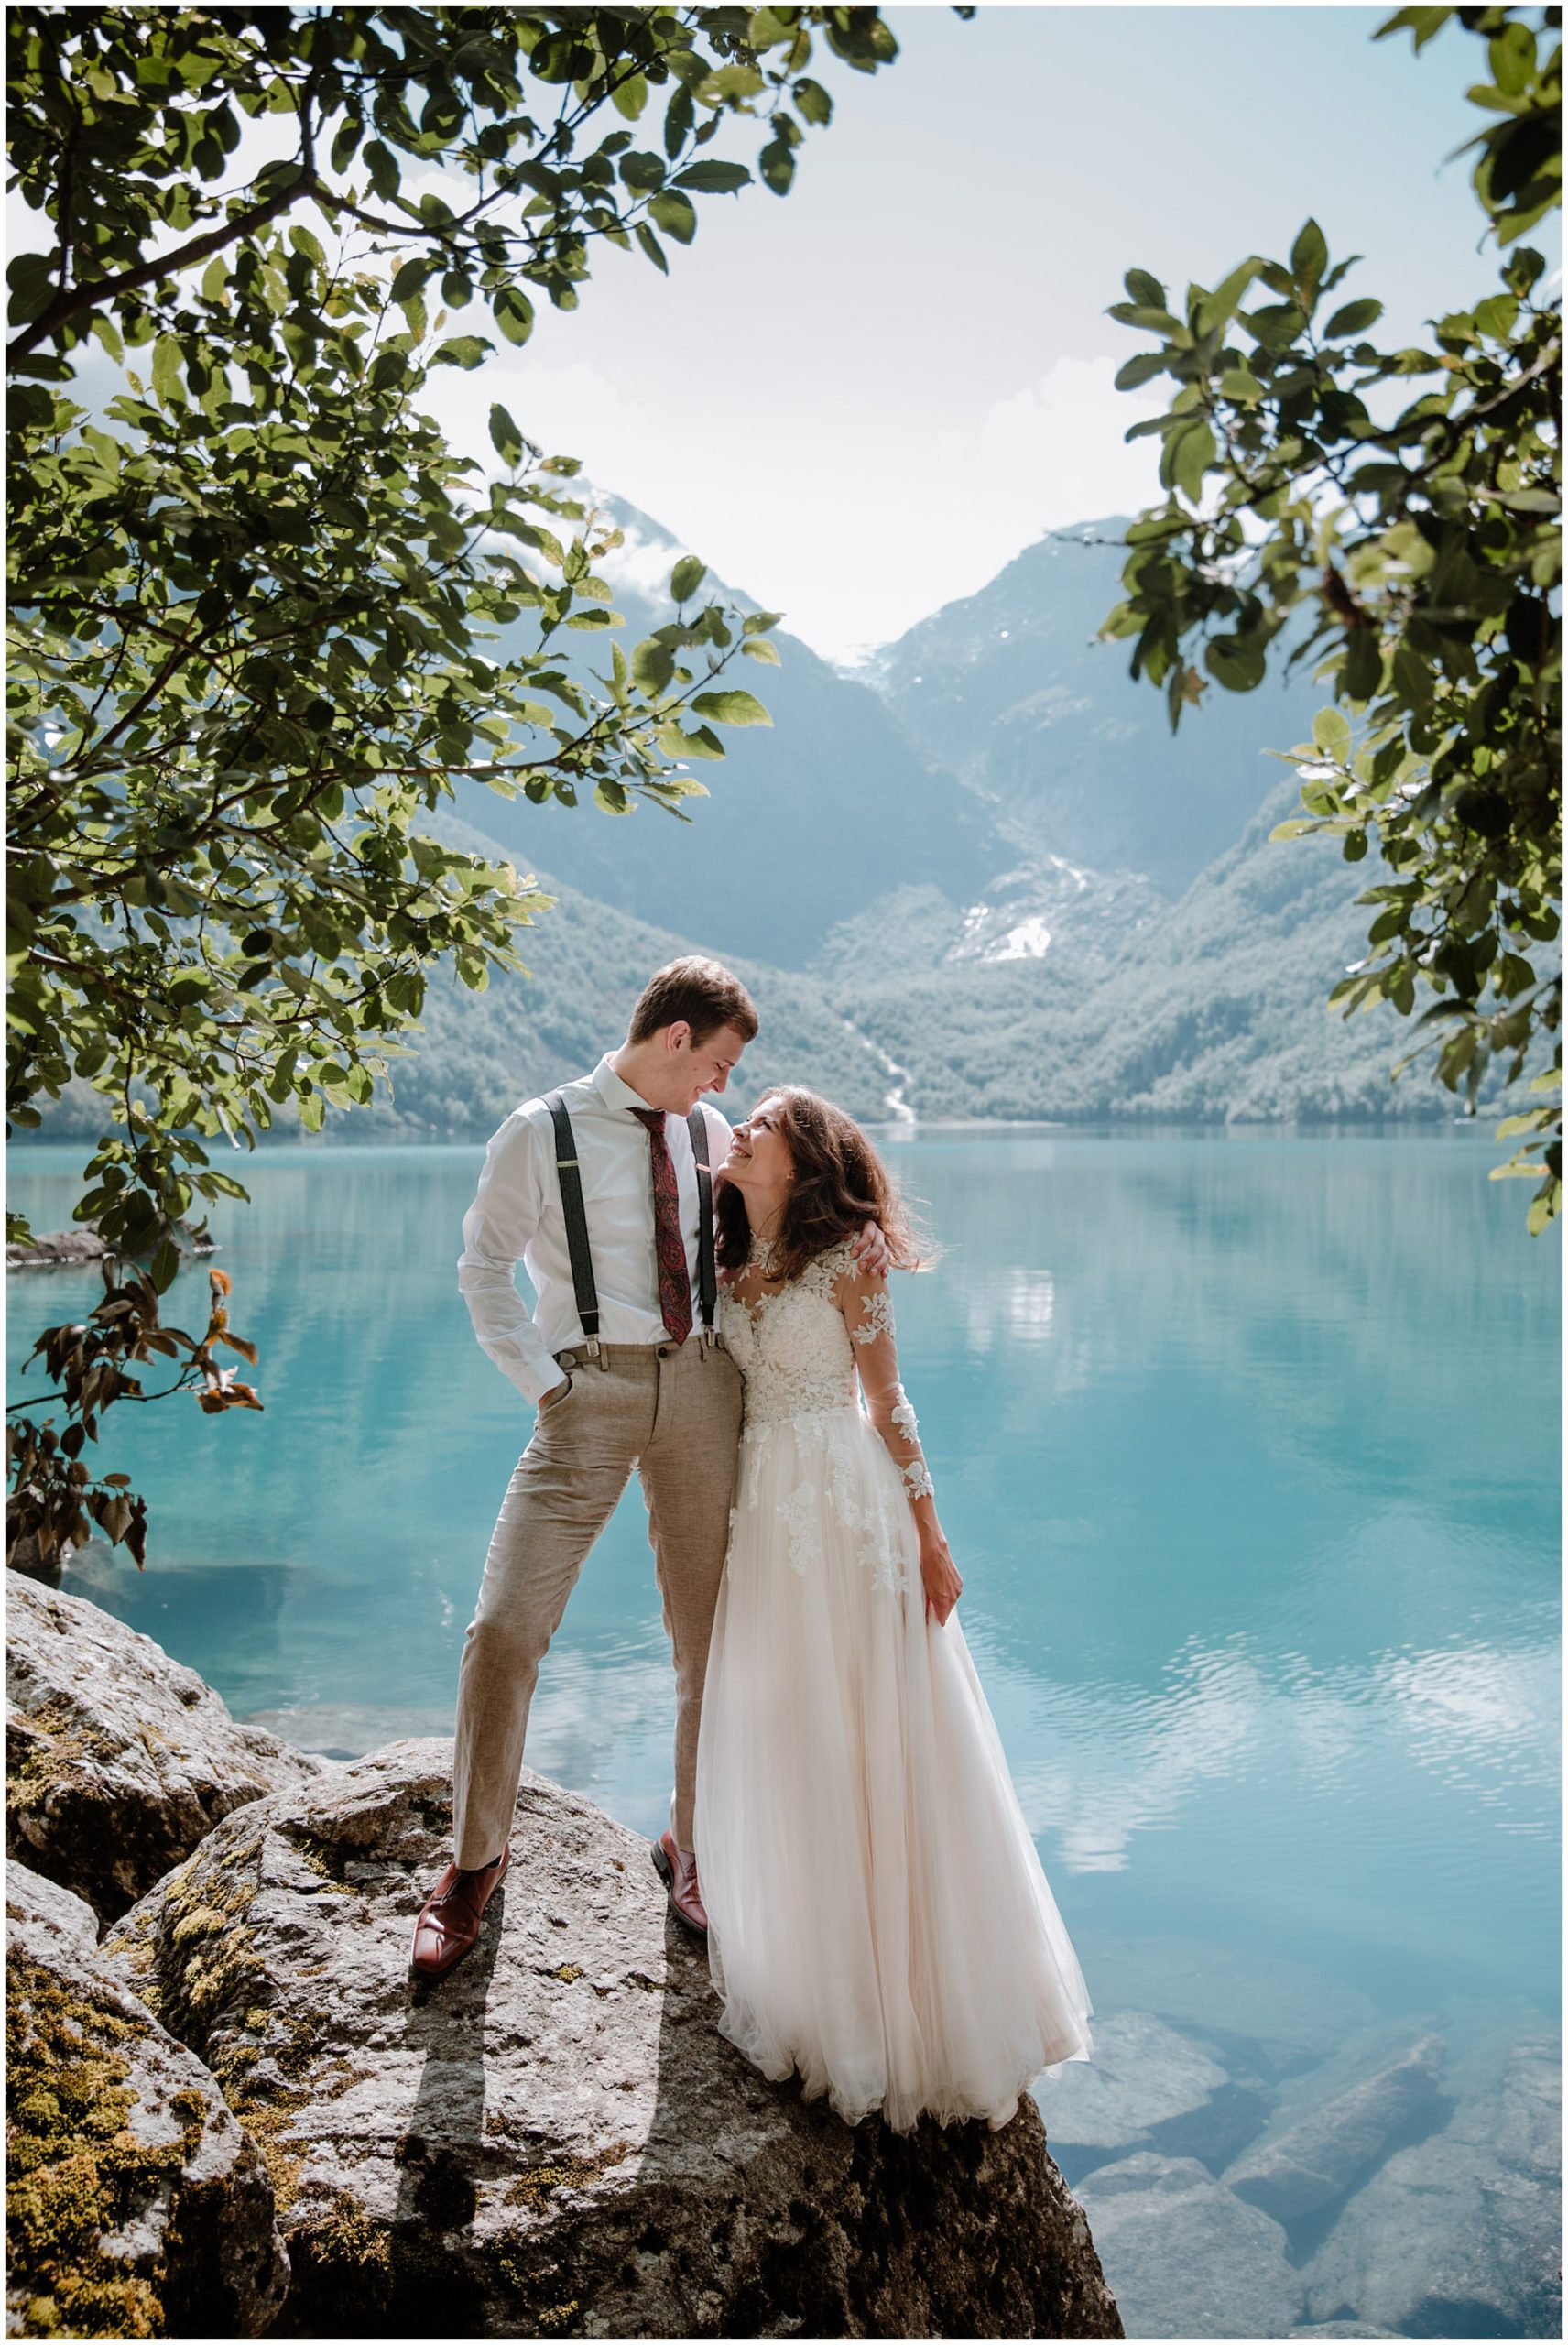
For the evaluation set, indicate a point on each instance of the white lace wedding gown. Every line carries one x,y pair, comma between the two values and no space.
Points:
878,1920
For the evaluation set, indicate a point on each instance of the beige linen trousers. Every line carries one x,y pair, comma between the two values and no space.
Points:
672,1412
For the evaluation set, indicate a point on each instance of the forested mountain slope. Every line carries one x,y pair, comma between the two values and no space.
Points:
480,1052
1216,1010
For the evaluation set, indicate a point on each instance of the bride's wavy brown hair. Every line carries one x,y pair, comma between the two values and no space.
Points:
840,1185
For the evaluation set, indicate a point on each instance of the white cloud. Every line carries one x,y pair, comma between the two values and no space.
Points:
1056,448
924,520
930,518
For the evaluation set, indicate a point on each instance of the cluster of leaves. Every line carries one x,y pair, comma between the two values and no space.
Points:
262,617
1412,554
54,1498
151,106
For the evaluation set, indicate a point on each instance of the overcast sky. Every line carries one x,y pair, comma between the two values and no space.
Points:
861,401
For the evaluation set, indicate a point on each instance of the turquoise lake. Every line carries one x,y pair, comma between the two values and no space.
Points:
1247,1448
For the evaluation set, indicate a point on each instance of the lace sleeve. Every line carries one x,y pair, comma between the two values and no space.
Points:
867,1309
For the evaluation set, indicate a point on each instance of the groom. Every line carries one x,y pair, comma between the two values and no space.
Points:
601,1190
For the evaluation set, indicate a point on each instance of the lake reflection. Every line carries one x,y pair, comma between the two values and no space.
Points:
1247,1449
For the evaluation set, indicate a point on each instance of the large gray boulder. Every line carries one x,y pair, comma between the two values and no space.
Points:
136,2207
1185,2256
1460,2234
1316,2152
556,2140
119,1761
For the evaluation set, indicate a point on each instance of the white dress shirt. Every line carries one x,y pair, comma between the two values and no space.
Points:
516,1216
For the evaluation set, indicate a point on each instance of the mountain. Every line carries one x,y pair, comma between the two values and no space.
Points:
807,817
1066,753
1214,1011
993,884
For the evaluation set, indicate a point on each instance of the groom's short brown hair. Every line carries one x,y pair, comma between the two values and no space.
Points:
697,992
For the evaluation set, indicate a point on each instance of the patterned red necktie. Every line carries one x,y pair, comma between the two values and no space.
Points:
674,1273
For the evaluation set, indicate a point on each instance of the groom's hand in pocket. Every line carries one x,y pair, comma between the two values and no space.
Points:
871,1254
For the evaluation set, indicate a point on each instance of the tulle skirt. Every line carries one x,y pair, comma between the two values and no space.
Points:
878,1920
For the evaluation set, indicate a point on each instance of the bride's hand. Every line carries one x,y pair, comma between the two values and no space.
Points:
938,1576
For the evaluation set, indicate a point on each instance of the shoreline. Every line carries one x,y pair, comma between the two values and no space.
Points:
1380,1127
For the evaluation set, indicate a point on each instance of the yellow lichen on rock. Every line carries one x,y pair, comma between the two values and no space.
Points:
76,2169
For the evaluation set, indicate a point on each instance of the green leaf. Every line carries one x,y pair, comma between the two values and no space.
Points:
686,577
513,313
1496,316
1218,308
1362,663
776,166
1239,665
504,436
1354,318
1330,732
1511,55
679,116
642,172
1189,454
464,350
382,164
1309,258
165,368
653,664
675,213
713,179
702,743
1144,290
31,278
650,246
1141,369
812,102
630,96
732,707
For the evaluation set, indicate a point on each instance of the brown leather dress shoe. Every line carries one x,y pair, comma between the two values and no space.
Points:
449,1918
677,1866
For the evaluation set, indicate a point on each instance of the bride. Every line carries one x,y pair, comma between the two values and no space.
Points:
878,1920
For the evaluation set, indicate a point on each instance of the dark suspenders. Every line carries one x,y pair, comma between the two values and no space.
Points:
576,1218
697,1125
571,1181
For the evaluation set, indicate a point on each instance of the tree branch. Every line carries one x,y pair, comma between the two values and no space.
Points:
77,300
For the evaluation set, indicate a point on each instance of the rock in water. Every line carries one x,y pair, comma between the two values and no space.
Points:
1316,2156
1148,2086
136,2207
556,2140
56,1250
1185,2256
119,1761
1460,2235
